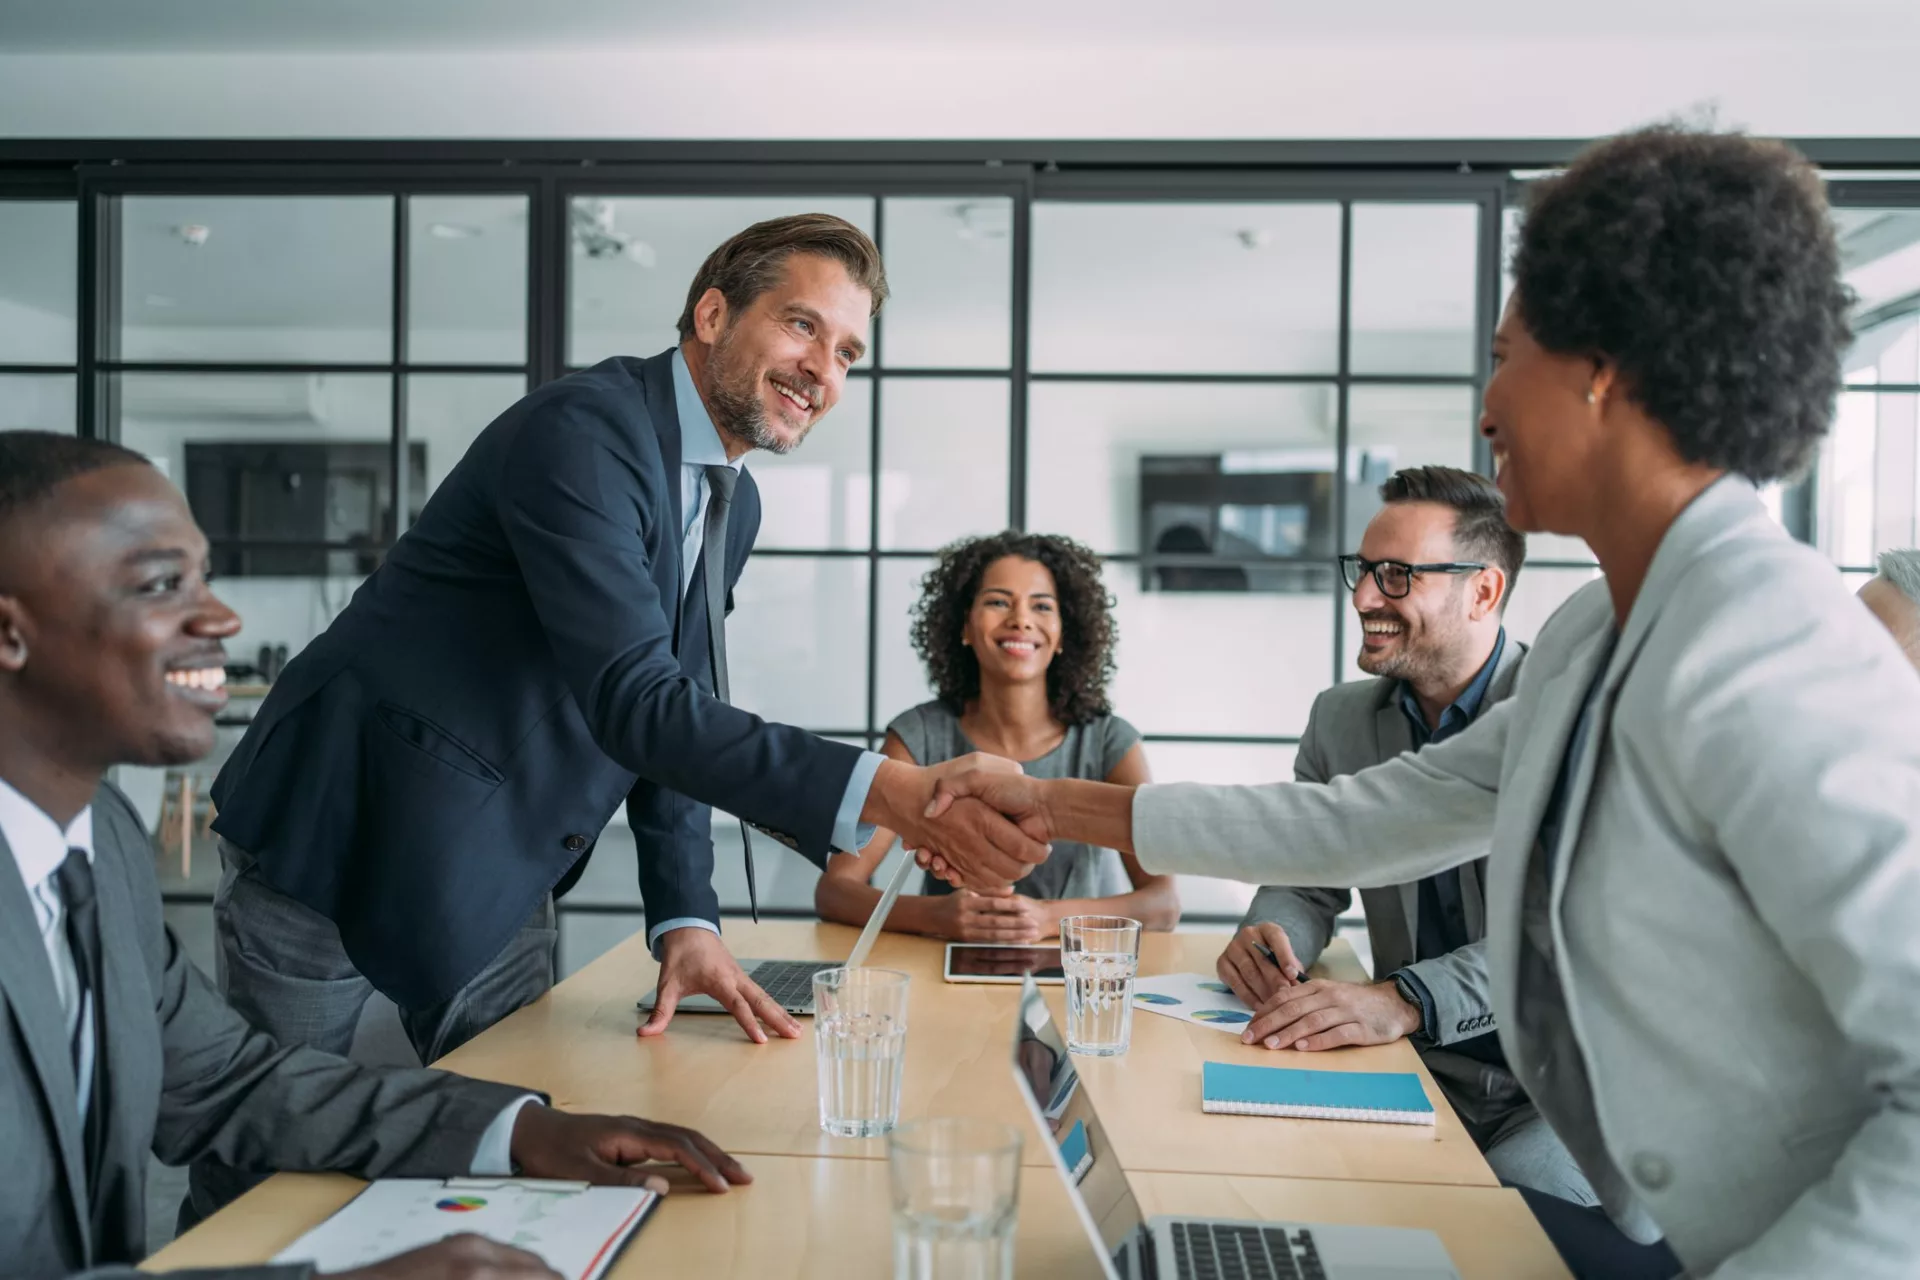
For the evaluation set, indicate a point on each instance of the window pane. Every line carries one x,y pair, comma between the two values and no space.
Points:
467,279
37,402
271,278
1086,442
295,466
1391,428
1218,662
1555,546
817,496
38,255
950,269
633,259
1415,279
1880,255
281,611
902,678
1538,593
1869,477
445,411
1187,288
943,459
797,641
1226,764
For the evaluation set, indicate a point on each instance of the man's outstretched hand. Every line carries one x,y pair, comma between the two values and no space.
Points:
1016,798
615,1150
979,847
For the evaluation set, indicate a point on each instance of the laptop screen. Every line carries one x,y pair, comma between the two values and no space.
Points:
1064,1112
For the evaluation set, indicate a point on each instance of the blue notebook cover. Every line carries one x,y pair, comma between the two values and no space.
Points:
1394,1097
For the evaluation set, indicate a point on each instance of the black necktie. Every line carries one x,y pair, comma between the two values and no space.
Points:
74,879
713,551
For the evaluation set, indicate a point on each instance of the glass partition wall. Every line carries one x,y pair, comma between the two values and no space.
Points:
1202,375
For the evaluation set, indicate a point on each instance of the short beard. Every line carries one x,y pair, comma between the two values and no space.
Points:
734,398
1415,663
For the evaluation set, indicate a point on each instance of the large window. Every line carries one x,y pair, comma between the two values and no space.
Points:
1202,374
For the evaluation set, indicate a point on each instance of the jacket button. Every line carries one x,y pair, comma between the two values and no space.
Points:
1460,1027
575,843
1651,1171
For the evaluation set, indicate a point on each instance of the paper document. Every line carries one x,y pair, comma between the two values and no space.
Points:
1192,997
576,1229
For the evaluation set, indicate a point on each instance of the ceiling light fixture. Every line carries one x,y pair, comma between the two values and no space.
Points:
193,233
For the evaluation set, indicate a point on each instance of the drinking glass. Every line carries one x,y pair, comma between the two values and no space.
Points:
860,1033
1100,954
956,1188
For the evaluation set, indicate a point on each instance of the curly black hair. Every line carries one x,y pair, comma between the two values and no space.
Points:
1076,679
1704,265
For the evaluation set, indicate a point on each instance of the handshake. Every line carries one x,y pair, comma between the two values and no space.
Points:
977,822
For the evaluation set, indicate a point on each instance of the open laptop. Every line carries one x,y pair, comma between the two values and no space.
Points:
1134,1247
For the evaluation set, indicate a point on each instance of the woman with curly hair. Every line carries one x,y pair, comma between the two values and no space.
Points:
1017,634
1703,798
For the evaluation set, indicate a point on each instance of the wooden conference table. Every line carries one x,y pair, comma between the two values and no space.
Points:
819,1205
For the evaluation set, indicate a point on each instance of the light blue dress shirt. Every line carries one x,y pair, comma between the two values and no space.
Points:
700,448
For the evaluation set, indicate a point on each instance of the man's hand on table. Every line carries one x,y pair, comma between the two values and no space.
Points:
694,961
966,786
615,1150
1257,976
1322,1014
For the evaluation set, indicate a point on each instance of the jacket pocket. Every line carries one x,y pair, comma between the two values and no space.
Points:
428,738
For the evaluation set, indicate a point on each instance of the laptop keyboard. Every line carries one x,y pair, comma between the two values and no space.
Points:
1228,1251
789,982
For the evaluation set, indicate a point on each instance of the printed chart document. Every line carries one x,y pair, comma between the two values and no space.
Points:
577,1229
1192,997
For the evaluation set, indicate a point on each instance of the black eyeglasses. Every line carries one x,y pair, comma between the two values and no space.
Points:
1395,577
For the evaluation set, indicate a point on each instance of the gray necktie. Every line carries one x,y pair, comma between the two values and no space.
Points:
720,482
74,880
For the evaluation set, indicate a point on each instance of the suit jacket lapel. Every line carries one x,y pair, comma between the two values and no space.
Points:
27,982
1393,736
656,378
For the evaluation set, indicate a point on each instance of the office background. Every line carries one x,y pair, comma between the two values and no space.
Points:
213,249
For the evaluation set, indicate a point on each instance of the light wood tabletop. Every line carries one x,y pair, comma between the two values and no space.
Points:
827,1219
761,1099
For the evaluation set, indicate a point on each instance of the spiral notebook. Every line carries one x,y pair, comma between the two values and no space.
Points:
1386,1097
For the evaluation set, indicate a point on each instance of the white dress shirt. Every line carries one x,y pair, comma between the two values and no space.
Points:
39,847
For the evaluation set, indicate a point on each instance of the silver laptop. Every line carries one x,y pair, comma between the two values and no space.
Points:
789,982
1134,1247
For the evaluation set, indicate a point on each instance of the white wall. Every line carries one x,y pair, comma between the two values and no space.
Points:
1839,80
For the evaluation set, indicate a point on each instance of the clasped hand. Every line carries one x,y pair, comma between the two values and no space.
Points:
972,821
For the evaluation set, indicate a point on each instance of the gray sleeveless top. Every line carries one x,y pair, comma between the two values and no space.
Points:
932,735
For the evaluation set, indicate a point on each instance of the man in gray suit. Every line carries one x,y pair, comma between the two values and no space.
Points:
112,1044
1893,596
1430,584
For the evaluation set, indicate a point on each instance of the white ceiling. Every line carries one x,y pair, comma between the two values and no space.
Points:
515,25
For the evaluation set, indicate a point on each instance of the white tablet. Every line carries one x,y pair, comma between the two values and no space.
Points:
998,962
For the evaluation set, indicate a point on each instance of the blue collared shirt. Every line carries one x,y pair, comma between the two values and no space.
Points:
1442,920
700,448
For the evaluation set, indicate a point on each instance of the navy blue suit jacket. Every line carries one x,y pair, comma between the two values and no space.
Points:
434,763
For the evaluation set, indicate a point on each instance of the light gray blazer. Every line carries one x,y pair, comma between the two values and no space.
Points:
1726,1033
1354,726
186,1077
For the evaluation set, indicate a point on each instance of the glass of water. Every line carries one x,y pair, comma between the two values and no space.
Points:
860,1032
956,1189
1100,954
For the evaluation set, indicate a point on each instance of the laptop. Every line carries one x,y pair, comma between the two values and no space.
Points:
1133,1247
789,982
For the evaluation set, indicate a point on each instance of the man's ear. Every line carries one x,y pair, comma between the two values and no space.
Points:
1489,592
13,634
710,316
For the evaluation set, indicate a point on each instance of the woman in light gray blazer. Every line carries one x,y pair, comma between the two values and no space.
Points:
1704,880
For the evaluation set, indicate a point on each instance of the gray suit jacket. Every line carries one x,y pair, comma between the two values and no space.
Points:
185,1077
1711,986
1355,726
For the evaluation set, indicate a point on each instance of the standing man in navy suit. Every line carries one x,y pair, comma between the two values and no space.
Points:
537,648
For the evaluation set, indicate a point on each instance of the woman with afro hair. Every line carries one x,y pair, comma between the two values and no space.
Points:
1017,634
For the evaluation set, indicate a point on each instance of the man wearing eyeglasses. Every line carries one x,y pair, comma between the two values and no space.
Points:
1430,585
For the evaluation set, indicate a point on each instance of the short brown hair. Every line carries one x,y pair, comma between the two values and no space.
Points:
752,262
1480,528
